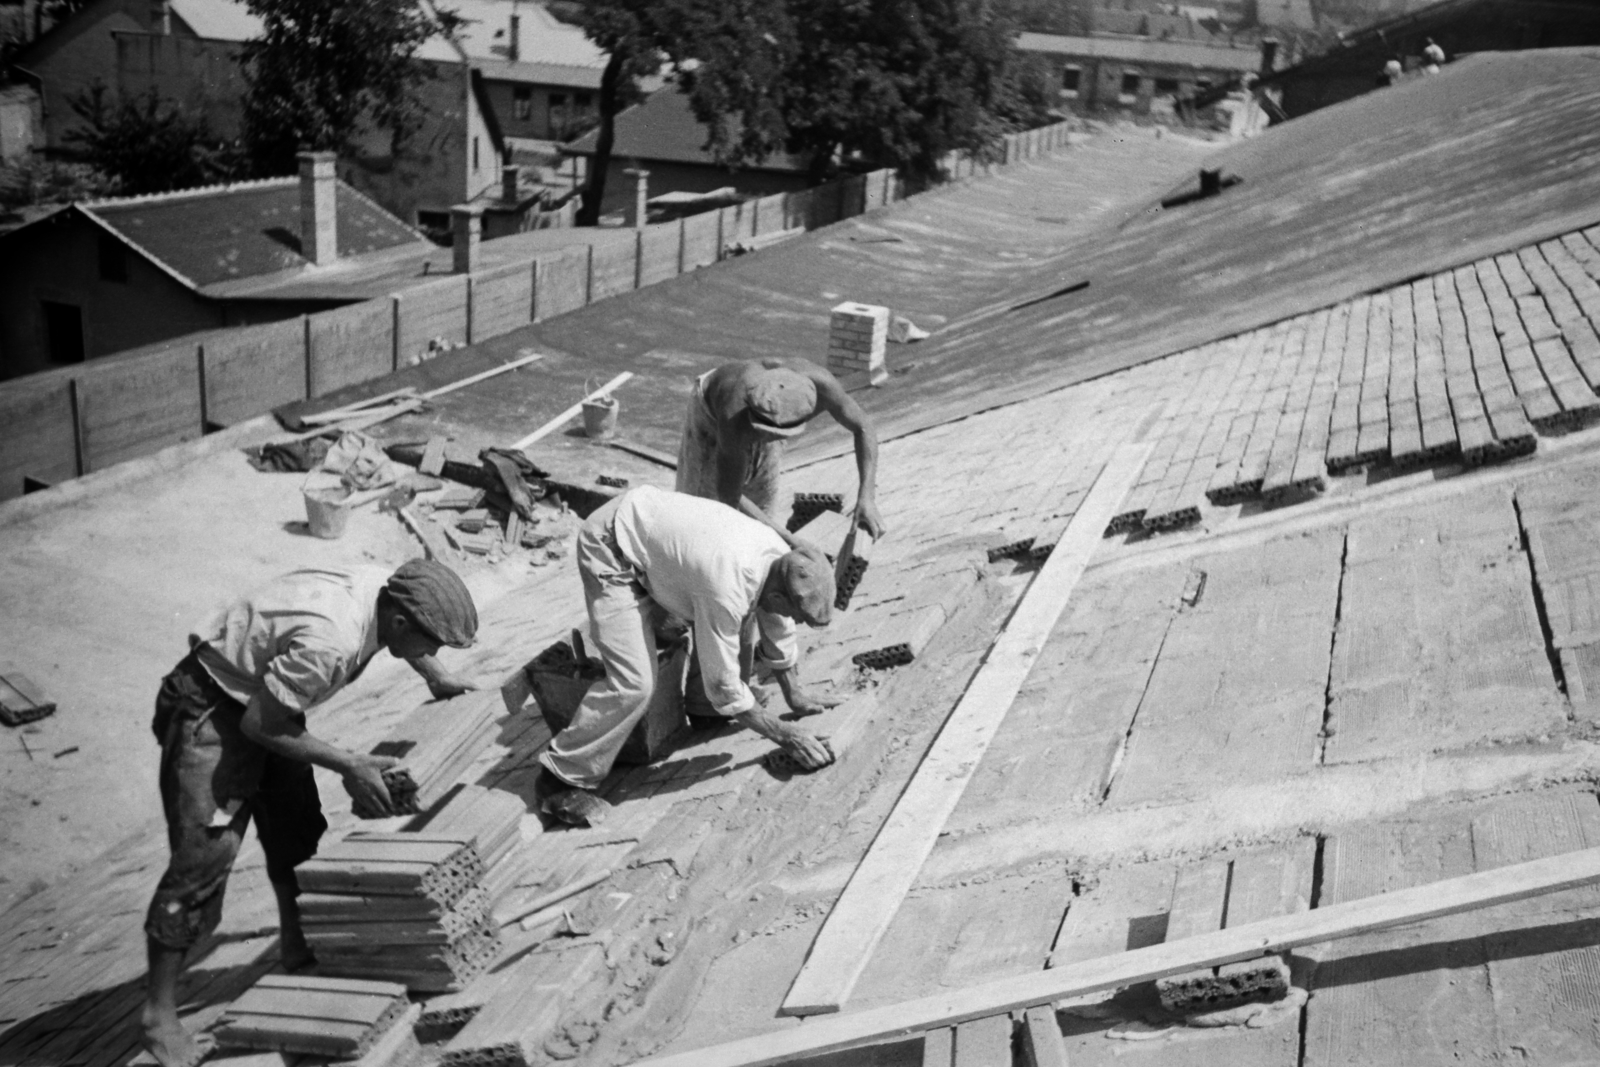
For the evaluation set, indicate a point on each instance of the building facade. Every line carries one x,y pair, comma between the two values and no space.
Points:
1137,75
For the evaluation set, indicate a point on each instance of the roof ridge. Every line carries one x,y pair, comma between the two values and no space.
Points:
178,194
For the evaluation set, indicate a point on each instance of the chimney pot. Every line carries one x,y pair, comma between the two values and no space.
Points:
466,233
319,224
509,174
641,197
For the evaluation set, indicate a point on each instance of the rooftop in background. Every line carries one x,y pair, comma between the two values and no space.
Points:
226,232
545,50
219,20
1240,57
664,129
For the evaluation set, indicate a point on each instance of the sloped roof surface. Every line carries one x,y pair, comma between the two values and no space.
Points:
241,231
542,39
218,20
664,128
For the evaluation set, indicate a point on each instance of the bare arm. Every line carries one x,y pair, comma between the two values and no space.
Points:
802,744
832,398
275,728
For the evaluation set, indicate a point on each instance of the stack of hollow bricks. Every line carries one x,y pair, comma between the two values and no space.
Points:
1466,364
858,335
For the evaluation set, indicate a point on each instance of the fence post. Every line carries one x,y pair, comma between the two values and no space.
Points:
468,298
533,291
80,439
588,283
638,256
681,239
305,344
722,213
394,331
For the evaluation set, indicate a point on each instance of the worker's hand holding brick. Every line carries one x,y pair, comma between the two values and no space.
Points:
363,780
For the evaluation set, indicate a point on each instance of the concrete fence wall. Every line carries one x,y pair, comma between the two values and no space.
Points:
73,420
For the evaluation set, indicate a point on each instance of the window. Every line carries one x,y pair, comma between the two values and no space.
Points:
1071,77
522,103
113,259
581,101
558,100
474,153
1166,86
432,222
63,331
1130,83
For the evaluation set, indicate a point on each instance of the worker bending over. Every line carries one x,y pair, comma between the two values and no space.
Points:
231,719
650,552
739,417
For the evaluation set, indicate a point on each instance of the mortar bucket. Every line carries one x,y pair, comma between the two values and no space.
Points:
600,417
326,511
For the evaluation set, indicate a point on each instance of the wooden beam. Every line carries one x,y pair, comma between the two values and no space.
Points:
571,413
1041,1038
473,379
873,894
1451,896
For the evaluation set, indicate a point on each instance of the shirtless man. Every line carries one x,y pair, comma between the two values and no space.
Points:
739,417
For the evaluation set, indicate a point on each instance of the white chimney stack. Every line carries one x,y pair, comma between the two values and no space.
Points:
319,221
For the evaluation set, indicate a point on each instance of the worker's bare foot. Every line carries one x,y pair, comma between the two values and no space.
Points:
172,1045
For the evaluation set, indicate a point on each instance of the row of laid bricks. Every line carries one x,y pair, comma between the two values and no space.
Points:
1466,364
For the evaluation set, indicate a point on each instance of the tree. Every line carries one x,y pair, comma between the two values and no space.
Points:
150,145
324,71
629,34
855,82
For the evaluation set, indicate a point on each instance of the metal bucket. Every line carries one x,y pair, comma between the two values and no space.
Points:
327,511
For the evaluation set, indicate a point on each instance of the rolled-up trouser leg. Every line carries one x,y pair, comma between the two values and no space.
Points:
620,623
205,762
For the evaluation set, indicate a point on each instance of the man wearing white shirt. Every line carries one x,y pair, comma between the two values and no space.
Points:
712,567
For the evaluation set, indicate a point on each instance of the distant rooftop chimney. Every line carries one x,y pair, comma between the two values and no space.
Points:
509,175
1269,56
161,15
466,226
515,47
319,220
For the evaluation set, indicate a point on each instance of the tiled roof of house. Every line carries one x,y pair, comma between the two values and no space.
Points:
239,231
218,20
664,128
542,40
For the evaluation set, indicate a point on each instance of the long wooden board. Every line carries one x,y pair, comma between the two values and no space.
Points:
869,902
1435,900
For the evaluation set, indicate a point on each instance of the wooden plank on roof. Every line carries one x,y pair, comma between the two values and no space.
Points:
871,898
1382,911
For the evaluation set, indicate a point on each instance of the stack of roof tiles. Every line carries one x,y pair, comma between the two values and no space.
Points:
336,1018
491,819
404,907
435,745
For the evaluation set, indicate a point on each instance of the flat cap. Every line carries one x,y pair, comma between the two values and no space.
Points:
807,578
781,401
437,599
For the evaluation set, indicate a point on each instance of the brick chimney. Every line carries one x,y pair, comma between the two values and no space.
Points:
319,227
638,215
514,47
509,174
161,17
1269,56
466,233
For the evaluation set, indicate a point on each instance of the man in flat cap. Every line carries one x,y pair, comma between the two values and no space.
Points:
739,417
231,719
650,552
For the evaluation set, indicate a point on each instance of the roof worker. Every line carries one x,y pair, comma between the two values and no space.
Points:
1391,74
740,415
650,552
231,719
1432,57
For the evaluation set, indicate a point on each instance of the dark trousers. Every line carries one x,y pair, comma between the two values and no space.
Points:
206,762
